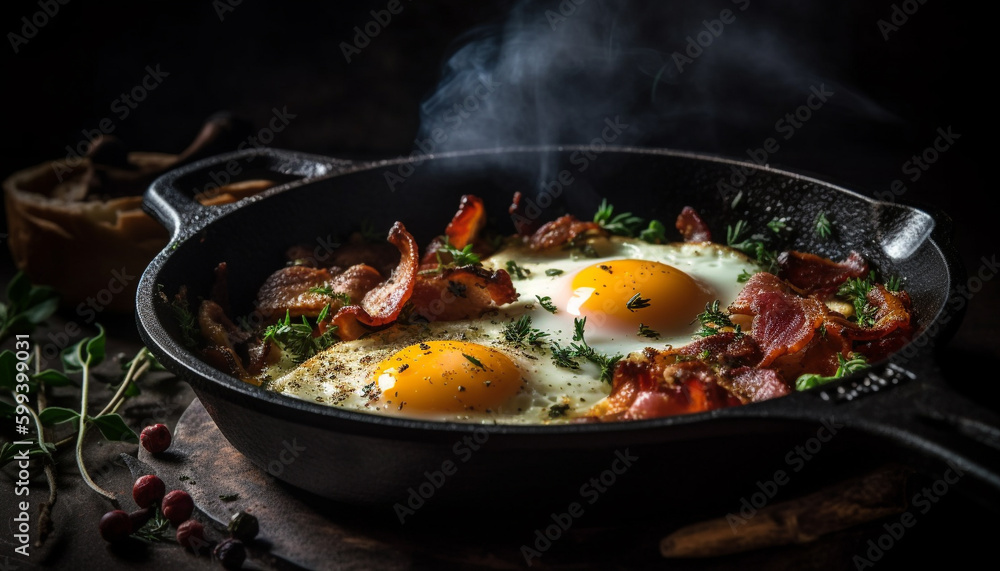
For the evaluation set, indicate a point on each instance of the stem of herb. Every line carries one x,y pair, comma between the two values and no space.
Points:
84,386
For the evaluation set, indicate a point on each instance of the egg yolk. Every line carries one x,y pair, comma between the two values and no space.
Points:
446,376
622,294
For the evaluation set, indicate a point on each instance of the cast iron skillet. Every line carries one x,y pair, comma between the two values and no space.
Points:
377,460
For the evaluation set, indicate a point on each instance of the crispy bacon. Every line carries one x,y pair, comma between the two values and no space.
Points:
692,227
651,385
561,231
467,222
752,384
728,349
818,275
461,293
892,314
222,336
289,289
783,321
382,304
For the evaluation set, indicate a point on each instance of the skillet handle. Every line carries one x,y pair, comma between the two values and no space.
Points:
172,198
925,414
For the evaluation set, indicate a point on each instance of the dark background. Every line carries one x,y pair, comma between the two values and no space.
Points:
892,95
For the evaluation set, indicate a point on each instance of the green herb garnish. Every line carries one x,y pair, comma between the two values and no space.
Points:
846,367
296,339
516,270
553,272
636,302
856,291
713,319
824,229
474,361
645,331
546,303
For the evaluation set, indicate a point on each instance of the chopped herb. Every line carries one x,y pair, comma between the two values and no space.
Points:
588,251
558,410
553,272
546,303
645,331
856,291
624,224
704,355
582,349
655,233
636,302
753,246
744,277
463,257
563,357
627,224
713,319
296,339
474,361
156,529
846,367
369,233
824,229
894,284
516,270
520,331
344,297
777,225
229,497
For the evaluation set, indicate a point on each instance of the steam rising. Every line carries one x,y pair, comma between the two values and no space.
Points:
695,76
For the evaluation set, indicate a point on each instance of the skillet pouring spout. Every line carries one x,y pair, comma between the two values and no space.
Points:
895,409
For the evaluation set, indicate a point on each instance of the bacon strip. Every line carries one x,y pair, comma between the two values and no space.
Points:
818,275
783,322
892,315
647,386
751,384
382,304
692,227
562,230
222,336
289,289
467,222
461,293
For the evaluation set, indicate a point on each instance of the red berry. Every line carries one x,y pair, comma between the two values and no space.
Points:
191,534
155,438
140,517
115,526
177,506
148,490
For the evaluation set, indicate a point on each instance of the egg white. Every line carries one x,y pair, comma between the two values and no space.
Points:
343,374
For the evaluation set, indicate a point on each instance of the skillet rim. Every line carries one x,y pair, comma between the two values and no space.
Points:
203,377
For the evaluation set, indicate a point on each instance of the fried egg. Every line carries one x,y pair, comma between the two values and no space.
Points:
632,294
